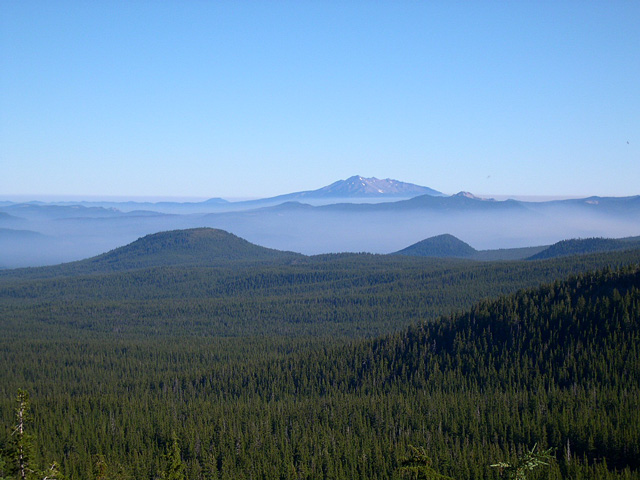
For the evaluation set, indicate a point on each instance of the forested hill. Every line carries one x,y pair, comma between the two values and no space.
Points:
206,247
448,246
336,295
571,334
558,366
271,371
198,246
581,246
445,245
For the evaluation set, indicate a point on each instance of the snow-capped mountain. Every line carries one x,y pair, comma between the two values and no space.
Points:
359,187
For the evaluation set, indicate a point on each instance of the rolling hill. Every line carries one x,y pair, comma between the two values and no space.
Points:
197,246
580,246
204,247
448,246
209,282
441,246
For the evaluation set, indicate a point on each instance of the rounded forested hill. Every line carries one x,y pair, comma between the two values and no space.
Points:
196,246
440,246
204,247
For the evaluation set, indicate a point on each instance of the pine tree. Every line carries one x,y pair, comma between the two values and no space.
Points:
175,469
23,447
418,466
524,464
53,473
3,468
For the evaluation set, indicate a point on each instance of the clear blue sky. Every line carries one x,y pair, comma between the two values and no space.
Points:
236,99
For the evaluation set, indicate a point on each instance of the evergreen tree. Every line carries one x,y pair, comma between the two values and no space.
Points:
23,447
525,463
175,469
52,473
418,466
3,468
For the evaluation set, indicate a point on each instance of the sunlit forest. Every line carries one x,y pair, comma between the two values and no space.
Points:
327,367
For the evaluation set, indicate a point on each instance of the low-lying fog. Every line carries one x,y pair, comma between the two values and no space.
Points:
44,237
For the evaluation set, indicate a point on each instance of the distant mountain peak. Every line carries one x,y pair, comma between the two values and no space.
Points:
471,196
359,186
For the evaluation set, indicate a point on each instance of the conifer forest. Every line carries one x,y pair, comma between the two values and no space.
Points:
280,366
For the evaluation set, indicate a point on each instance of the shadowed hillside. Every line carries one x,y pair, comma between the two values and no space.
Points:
580,246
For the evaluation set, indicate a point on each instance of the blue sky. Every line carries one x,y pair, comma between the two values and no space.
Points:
240,99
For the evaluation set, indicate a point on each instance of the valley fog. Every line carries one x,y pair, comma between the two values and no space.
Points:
45,235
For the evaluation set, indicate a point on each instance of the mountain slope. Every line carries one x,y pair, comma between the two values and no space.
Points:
572,346
462,201
579,246
611,205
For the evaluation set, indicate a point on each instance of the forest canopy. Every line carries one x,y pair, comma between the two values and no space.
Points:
328,367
